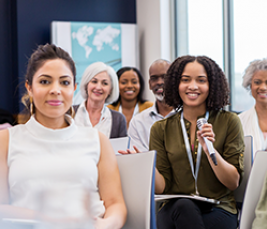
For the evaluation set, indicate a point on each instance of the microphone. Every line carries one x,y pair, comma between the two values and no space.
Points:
200,123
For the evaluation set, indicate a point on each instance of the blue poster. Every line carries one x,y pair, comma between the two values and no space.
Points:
93,42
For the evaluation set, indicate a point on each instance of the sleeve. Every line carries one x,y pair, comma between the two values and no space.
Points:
110,107
136,139
118,128
234,144
148,104
122,126
157,143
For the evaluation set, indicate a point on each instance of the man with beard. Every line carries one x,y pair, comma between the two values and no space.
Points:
139,128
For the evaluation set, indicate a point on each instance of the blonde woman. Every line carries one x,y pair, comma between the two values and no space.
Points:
99,87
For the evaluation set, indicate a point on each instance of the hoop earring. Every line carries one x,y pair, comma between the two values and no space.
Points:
31,106
72,112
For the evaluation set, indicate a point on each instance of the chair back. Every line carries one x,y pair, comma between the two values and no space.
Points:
253,190
248,154
136,172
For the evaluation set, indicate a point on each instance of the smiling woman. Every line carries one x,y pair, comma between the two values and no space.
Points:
51,169
52,88
130,101
196,87
254,120
99,87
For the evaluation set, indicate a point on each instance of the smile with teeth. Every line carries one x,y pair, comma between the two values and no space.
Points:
192,95
262,94
129,92
159,90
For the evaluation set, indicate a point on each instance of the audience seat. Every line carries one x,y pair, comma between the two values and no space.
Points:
253,189
137,178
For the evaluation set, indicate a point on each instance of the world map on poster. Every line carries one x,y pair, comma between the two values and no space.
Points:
92,42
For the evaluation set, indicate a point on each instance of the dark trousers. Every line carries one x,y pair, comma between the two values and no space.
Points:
186,213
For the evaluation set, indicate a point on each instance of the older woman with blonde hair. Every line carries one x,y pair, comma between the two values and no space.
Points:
99,87
254,120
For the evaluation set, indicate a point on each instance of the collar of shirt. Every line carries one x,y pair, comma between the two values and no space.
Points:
82,116
136,109
154,112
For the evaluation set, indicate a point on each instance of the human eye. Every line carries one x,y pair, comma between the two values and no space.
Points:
94,81
105,83
65,82
123,82
202,80
153,78
184,79
257,82
44,81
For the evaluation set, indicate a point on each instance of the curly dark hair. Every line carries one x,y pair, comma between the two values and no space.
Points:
218,87
141,81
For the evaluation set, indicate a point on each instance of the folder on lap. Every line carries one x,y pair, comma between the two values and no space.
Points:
122,143
194,197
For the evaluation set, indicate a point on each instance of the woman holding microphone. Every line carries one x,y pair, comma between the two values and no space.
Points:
197,88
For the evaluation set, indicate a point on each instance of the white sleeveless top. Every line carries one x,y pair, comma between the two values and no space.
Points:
54,170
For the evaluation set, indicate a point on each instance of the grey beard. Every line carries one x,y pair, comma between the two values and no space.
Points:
159,97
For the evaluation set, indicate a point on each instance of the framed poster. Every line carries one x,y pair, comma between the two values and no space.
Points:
87,42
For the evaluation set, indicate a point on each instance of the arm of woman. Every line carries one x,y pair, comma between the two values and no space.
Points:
6,210
226,172
159,182
163,168
110,187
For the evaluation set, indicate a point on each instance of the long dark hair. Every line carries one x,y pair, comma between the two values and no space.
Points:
141,81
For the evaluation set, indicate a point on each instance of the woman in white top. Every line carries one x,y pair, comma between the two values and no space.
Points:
99,87
254,120
50,167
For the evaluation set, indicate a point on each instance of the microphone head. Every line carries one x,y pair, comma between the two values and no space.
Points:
201,122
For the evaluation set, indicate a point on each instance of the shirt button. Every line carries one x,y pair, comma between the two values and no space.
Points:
196,153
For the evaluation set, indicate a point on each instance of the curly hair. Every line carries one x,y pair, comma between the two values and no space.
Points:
253,67
218,87
141,81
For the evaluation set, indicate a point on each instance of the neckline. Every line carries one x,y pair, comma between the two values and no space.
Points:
40,131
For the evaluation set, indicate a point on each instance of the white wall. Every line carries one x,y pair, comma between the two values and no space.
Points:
154,21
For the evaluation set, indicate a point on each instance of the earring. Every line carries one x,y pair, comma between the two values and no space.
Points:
72,112
31,106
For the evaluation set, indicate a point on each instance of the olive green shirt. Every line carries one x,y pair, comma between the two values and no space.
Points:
166,138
